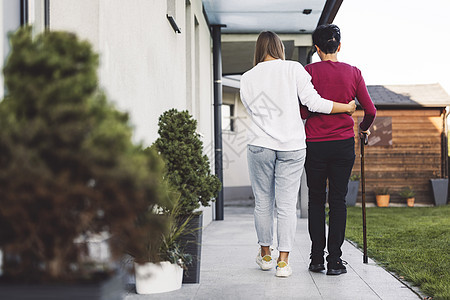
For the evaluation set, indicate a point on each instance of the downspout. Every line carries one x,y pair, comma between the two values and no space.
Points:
217,64
445,144
47,14
23,12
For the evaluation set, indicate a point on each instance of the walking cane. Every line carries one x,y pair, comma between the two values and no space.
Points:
364,141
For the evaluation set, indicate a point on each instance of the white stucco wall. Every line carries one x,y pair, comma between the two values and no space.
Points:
143,61
235,168
145,67
81,17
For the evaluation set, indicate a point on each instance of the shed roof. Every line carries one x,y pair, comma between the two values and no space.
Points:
412,95
409,95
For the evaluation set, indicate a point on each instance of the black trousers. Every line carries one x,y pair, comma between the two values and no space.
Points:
332,160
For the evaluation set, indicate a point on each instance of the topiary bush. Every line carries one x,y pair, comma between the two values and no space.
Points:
68,166
188,170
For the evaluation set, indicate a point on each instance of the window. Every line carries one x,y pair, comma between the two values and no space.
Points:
36,13
227,117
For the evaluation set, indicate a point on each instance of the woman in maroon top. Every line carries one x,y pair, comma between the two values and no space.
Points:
331,147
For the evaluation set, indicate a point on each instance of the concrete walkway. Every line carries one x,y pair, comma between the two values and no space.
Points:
229,271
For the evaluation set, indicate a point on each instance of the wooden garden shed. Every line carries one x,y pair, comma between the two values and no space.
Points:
408,145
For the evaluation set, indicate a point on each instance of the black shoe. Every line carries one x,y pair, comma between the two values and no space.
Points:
336,267
317,264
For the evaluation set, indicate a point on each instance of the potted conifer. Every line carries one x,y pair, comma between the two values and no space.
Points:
188,170
68,169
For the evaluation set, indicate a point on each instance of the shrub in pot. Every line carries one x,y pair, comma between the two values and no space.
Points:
161,267
352,190
158,263
382,196
68,166
189,172
408,194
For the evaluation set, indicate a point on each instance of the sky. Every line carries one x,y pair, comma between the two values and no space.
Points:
397,41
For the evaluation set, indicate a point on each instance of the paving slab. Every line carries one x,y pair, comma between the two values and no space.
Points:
229,271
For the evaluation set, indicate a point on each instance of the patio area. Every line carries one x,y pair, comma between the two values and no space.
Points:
229,271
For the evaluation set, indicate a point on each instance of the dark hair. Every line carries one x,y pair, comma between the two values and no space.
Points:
268,43
327,38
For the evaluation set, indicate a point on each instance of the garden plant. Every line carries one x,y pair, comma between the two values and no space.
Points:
188,169
68,167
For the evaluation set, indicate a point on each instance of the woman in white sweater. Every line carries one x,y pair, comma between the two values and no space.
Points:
271,92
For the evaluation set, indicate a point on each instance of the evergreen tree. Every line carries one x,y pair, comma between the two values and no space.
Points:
67,163
188,170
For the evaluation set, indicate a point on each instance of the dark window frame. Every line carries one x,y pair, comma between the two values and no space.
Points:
231,117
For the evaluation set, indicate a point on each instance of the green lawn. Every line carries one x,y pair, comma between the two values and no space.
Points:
412,242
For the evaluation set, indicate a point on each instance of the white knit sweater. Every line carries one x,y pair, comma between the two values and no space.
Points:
270,92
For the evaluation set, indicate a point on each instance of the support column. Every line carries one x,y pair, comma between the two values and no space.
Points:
302,55
218,161
305,55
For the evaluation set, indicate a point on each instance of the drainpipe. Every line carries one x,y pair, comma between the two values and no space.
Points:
23,12
47,14
446,113
217,63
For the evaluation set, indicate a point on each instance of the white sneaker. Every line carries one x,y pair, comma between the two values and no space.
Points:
283,269
265,263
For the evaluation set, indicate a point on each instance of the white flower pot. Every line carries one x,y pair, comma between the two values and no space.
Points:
157,278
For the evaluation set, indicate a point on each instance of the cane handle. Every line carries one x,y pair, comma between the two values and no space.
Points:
365,138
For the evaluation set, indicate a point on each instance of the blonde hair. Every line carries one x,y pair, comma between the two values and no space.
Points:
268,43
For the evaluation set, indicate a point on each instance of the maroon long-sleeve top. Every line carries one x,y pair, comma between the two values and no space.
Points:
343,83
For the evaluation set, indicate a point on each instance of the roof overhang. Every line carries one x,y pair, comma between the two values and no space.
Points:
293,20
282,16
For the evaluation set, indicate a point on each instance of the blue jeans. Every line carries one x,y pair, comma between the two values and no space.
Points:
275,178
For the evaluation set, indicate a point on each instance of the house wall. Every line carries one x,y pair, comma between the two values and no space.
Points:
235,169
413,159
145,67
